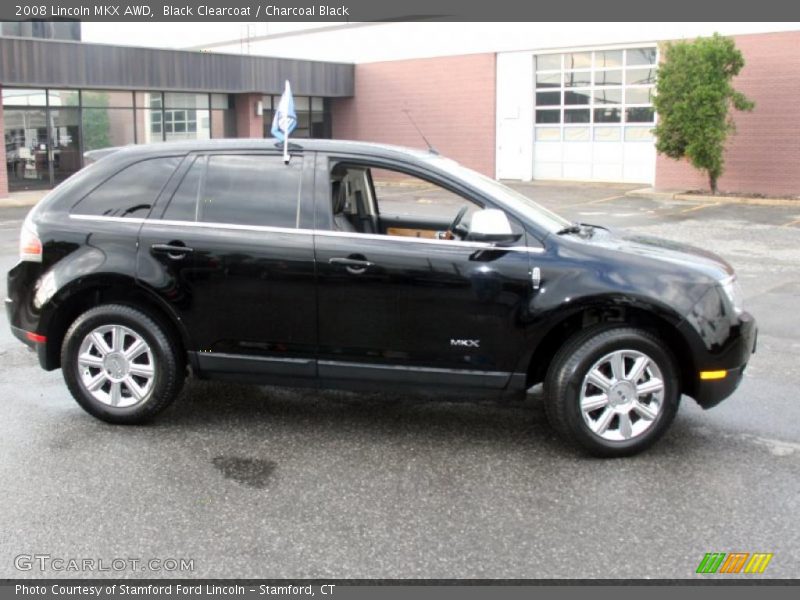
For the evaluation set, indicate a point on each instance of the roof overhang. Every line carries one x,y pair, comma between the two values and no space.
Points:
67,64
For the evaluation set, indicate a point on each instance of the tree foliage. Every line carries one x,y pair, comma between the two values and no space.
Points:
96,122
694,98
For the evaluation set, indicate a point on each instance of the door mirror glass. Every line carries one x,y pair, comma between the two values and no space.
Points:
491,225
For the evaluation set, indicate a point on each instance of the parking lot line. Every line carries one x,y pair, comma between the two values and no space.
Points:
598,201
667,211
605,199
791,223
698,207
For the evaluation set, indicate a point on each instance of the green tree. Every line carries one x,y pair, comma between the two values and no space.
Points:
96,124
694,98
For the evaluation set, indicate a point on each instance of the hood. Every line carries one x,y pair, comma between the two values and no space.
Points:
682,255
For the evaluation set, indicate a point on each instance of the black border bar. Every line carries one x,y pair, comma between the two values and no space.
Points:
344,11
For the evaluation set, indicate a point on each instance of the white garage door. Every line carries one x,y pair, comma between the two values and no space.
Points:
594,115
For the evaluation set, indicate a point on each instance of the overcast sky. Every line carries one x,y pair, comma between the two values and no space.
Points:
370,42
180,35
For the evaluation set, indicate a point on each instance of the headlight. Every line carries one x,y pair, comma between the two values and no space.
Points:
734,293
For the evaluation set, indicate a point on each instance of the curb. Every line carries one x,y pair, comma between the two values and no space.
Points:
651,193
740,200
721,199
11,202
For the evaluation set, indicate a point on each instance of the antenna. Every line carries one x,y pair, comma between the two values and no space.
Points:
431,149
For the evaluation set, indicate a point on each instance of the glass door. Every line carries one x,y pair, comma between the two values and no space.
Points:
27,160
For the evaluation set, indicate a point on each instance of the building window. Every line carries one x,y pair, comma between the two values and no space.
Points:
593,95
107,119
47,131
313,116
181,121
173,116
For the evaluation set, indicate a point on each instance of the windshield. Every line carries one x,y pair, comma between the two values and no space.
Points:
505,195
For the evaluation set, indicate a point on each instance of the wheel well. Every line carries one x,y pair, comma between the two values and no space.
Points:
621,315
116,293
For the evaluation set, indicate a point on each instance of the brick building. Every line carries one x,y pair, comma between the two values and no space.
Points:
62,98
514,101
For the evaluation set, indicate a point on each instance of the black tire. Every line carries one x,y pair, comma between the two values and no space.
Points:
565,379
167,366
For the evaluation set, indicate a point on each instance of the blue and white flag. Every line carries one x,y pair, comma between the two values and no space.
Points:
285,119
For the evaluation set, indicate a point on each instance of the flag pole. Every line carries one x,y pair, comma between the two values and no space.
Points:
285,120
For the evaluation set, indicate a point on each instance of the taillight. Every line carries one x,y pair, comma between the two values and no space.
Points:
30,246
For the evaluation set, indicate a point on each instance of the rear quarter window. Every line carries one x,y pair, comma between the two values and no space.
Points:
131,192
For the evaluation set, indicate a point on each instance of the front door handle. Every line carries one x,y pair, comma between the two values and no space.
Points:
353,265
174,250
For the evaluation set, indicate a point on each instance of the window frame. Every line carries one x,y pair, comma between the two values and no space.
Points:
323,207
168,193
326,162
544,114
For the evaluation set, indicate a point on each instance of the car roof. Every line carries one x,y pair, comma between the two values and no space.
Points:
300,144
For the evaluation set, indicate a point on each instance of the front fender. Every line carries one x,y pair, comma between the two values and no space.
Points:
548,321
575,278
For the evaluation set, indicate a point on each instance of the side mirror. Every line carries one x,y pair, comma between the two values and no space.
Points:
491,225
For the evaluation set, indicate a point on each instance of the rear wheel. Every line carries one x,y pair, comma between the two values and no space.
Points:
612,391
120,365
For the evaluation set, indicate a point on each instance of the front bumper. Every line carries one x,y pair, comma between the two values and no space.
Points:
733,360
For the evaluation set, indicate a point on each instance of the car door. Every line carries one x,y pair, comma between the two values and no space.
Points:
230,255
409,308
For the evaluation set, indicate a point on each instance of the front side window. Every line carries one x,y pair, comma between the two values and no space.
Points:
131,192
239,189
374,200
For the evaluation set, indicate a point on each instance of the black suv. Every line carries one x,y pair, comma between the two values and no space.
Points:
364,266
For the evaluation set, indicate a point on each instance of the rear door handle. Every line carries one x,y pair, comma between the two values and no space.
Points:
175,251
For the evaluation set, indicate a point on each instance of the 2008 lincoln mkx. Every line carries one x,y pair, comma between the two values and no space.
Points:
220,259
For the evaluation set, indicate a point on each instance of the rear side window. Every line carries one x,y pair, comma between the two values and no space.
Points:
131,192
239,189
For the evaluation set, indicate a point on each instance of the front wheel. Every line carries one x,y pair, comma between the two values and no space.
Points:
612,391
120,365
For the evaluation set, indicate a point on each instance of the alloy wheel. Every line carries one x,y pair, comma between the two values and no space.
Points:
116,366
622,395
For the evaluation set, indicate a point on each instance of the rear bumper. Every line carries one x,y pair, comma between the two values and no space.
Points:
709,393
19,333
22,334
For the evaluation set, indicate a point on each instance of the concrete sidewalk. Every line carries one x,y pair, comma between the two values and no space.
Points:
27,198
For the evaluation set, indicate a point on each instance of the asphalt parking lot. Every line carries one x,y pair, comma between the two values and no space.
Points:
259,482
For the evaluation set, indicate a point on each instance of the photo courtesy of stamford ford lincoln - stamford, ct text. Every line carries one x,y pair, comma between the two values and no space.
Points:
417,299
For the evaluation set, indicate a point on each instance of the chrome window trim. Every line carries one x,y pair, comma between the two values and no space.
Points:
138,220
314,232
435,242
199,224
234,226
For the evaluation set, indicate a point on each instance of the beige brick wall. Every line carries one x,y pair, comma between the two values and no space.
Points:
452,99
